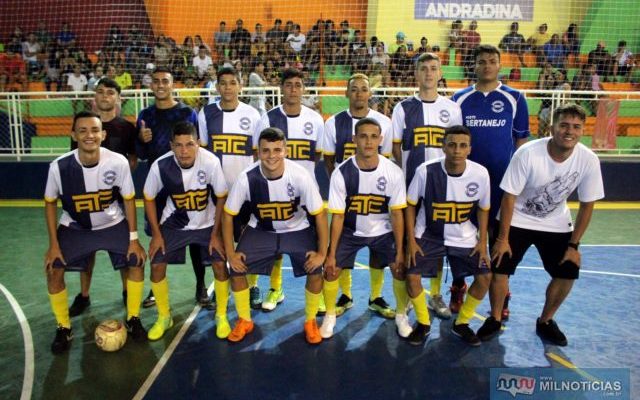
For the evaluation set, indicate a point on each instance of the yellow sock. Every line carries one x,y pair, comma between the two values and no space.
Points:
330,291
420,306
161,292
311,302
222,296
435,284
276,275
242,304
345,282
60,307
377,281
252,280
402,297
467,310
135,292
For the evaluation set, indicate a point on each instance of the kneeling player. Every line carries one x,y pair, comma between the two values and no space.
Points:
449,191
187,175
281,194
89,182
366,198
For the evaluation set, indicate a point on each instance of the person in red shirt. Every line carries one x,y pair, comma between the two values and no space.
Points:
12,69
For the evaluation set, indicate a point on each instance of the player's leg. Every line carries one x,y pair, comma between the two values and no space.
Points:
417,297
458,289
221,286
436,302
345,301
403,328
244,324
330,293
123,278
381,250
275,295
82,300
134,290
312,295
58,298
160,288
201,295
239,225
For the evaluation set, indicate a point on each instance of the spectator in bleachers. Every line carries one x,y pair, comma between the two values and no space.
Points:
161,52
17,36
52,68
555,52
424,46
342,48
380,57
514,43
30,50
258,80
311,57
66,38
360,61
400,67
211,82
12,69
239,67
288,28
400,42
296,41
86,66
546,81
114,41
190,98
240,40
624,61
258,48
258,33
358,41
123,77
344,26
314,32
456,37
373,44
221,39
111,72
77,81
603,61
197,42
329,43
135,64
571,39
276,36
147,79
472,40
135,40
202,62
95,76
67,61
583,81
537,41
43,36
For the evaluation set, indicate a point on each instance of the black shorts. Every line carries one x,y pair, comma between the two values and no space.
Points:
382,249
241,220
175,242
551,247
460,260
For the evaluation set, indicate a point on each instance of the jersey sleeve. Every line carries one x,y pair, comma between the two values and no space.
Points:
193,118
52,190
127,189
456,117
237,196
515,178
203,135
262,125
398,192
153,184
397,123
311,197
386,147
321,133
484,202
337,193
521,119
591,187
218,182
417,185
329,145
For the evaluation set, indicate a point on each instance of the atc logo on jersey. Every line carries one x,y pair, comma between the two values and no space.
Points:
202,177
308,128
497,106
381,184
109,177
444,116
245,123
472,189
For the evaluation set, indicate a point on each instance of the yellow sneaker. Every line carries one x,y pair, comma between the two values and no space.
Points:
160,327
223,329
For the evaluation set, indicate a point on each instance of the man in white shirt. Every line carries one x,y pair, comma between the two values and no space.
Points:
296,40
202,62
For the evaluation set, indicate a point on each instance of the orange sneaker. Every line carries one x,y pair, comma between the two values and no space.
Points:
240,330
311,332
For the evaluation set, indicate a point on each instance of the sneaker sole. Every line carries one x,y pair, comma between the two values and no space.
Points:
474,344
280,301
544,339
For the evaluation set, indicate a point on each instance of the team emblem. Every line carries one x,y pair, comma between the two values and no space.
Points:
245,123
444,116
109,177
497,106
472,189
308,128
202,177
290,191
382,184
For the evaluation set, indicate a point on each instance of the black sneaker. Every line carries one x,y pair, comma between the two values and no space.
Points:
62,341
419,334
465,333
489,329
150,301
136,330
343,304
550,332
124,298
380,306
202,297
254,298
80,303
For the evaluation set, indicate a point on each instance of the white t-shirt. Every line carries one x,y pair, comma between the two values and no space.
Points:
77,83
296,42
543,185
367,197
258,100
201,64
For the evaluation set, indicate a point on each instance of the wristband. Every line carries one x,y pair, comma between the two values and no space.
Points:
133,236
573,245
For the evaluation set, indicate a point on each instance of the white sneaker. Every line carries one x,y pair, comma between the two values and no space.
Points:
272,299
328,323
437,304
402,323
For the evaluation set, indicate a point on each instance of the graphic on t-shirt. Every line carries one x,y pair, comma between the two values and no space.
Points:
551,195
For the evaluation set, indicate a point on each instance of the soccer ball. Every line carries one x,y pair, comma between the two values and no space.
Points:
110,335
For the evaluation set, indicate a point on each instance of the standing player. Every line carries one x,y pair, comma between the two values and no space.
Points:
338,145
192,178
418,130
228,129
366,198
89,182
282,197
155,124
448,192
498,118
303,129
539,179
121,138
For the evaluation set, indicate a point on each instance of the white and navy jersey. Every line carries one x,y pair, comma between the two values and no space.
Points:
366,197
185,195
448,204
277,205
419,127
339,130
230,135
90,195
304,134
543,185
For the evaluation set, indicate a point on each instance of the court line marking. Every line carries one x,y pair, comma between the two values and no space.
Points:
29,361
162,362
569,365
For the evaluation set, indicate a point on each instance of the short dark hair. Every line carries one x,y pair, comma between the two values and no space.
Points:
184,128
571,109
366,121
622,43
84,114
485,48
227,71
427,57
456,130
272,134
162,70
277,21
109,83
289,73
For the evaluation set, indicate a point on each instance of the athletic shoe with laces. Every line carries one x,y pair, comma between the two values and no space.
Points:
62,341
150,301
311,332
135,329
419,334
505,307
550,332
437,304
223,329
402,326
202,297
158,329
380,306
343,304
465,333
272,299
489,329
242,328
254,298
322,308
457,298
80,303
328,324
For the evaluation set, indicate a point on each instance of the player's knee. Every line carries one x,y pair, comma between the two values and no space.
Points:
220,271
414,285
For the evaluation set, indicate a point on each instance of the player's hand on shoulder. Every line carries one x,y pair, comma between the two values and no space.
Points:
53,253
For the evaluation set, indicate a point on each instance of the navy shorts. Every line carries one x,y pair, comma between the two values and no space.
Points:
176,240
241,220
459,258
79,245
382,249
551,247
261,249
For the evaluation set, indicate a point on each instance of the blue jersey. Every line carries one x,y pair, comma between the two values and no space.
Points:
161,123
496,119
